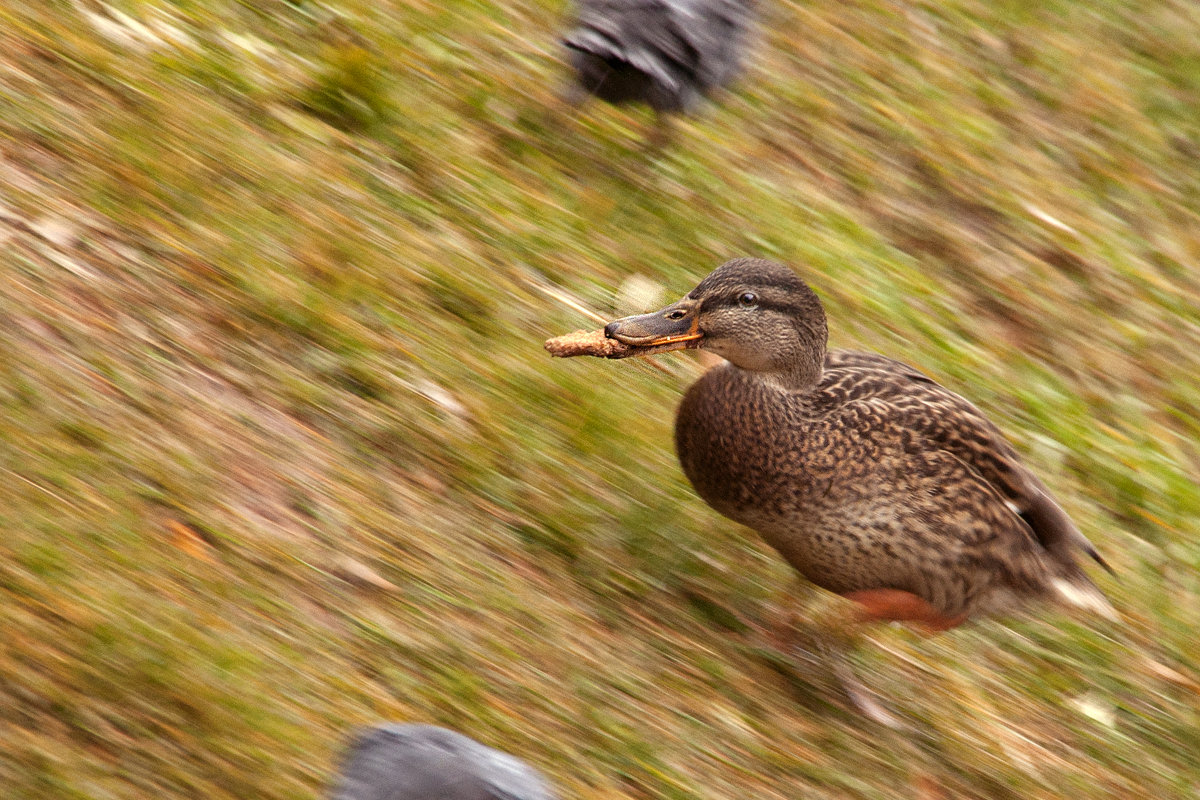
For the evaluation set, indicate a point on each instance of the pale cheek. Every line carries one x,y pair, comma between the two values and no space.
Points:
749,359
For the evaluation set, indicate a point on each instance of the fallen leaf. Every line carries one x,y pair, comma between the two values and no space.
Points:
357,573
187,539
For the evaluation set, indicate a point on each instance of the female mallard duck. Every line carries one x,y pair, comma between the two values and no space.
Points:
873,481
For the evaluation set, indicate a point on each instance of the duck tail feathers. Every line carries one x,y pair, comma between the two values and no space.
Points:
1082,593
1099,559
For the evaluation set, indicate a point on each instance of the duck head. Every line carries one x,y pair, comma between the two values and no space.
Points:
756,314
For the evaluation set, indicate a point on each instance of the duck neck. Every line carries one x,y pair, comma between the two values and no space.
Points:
798,367
799,375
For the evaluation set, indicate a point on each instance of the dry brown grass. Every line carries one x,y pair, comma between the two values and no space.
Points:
283,453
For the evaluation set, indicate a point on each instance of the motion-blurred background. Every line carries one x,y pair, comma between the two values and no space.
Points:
281,452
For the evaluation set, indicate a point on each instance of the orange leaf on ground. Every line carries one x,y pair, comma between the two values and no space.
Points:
187,539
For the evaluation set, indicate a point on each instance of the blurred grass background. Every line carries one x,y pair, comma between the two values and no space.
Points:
282,453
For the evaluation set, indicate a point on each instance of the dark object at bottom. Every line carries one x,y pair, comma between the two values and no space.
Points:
424,762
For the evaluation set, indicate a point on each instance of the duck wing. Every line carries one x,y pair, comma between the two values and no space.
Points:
947,421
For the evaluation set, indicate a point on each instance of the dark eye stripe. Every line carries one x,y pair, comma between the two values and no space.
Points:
782,308
733,301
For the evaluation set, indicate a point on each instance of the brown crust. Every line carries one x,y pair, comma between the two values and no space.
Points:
595,343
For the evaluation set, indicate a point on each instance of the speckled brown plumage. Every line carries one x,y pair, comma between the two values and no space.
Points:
862,472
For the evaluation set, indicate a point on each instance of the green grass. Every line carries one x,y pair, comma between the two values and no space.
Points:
271,316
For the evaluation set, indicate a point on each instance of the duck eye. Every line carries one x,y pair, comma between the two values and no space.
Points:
748,299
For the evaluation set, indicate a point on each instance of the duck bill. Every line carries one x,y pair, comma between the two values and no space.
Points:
675,327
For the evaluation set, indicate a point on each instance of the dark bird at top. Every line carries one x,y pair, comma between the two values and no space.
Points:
869,478
664,53
425,762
